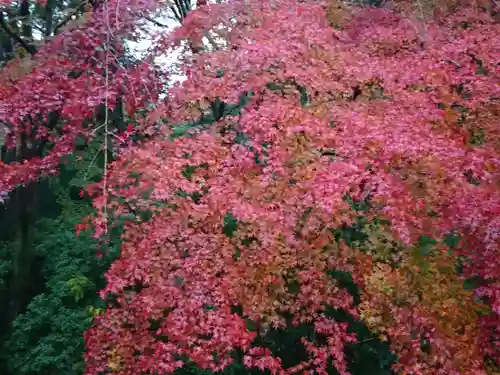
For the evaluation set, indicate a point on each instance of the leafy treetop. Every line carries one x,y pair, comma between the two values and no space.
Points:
50,97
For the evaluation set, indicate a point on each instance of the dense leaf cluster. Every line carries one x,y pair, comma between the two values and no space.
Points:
334,120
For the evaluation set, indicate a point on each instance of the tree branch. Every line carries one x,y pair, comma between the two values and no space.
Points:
94,3
159,24
69,17
31,49
183,7
176,14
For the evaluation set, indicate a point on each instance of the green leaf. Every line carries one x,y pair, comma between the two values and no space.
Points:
304,98
426,245
230,225
274,87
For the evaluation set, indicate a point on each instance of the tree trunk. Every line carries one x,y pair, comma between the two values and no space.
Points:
25,202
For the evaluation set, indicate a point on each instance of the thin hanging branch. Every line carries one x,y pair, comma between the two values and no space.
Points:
106,115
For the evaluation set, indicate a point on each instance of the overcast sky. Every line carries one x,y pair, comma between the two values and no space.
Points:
166,61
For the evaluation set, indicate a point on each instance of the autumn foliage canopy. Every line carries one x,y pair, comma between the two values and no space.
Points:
318,124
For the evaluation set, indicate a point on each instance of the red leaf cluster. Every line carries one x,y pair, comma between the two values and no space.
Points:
67,78
405,116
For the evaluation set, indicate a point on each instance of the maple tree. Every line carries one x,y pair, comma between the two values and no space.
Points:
299,126
327,119
51,96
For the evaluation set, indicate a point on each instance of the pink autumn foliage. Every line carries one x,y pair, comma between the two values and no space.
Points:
400,143
187,266
66,77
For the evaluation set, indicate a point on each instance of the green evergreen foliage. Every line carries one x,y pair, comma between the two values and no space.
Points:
48,337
